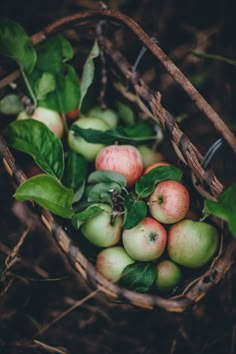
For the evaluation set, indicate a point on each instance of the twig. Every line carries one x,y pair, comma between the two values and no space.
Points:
65,313
49,347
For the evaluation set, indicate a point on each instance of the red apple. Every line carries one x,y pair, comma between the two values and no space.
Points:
169,203
192,243
111,262
156,164
146,241
124,159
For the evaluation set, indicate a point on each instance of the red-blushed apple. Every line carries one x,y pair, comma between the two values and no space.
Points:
107,115
169,275
124,159
111,262
146,241
79,144
149,156
169,203
192,243
50,118
156,164
103,229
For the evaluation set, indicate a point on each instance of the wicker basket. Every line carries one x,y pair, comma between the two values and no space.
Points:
204,180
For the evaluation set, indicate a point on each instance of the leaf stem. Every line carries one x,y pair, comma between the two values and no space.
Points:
29,87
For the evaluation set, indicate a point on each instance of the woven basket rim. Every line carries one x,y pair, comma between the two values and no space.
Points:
185,150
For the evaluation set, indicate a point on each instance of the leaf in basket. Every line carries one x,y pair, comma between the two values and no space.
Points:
125,113
102,192
88,71
107,177
224,208
108,137
44,85
135,211
15,43
75,171
35,139
81,217
49,193
141,129
11,105
146,184
139,276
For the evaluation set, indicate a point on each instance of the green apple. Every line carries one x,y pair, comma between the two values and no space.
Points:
107,115
149,156
111,262
168,275
192,243
80,145
103,229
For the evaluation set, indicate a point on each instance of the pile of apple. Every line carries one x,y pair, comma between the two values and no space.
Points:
165,237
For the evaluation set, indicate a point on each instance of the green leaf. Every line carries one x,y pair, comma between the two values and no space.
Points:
49,193
15,43
35,139
146,184
81,217
224,208
107,177
88,71
44,85
135,211
141,129
139,276
125,113
108,137
75,171
11,105
79,192
102,192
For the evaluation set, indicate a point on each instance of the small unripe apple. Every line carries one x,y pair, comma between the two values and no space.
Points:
192,243
149,156
50,118
107,115
124,159
103,229
169,203
146,241
155,164
168,275
79,144
111,262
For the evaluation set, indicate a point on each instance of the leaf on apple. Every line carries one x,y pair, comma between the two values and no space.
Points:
135,211
11,105
44,85
75,170
146,184
88,72
125,113
81,217
49,193
224,208
108,137
102,192
107,177
139,276
35,139
15,43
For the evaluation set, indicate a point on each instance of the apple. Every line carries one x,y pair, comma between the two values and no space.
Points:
124,159
149,156
103,229
169,203
50,118
168,275
111,262
155,164
79,144
107,115
73,114
192,243
146,241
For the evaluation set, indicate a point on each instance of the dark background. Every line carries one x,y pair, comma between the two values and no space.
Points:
42,285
